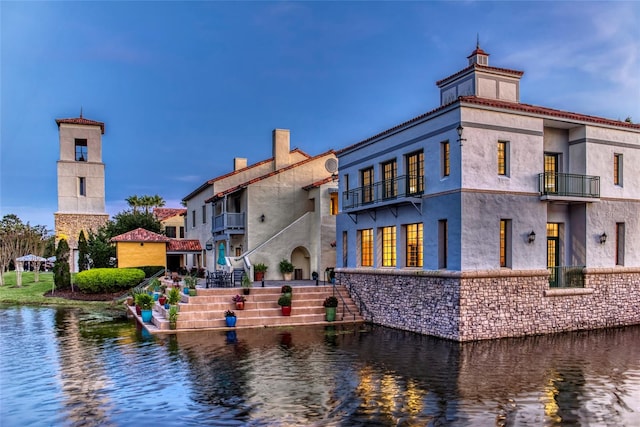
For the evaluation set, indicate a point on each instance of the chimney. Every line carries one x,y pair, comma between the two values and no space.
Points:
281,157
239,163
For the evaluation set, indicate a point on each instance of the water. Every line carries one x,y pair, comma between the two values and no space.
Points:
59,367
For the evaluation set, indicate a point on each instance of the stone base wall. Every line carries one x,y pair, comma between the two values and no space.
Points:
70,225
470,306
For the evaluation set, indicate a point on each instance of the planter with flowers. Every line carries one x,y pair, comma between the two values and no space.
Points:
230,318
286,268
285,303
239,300
330,304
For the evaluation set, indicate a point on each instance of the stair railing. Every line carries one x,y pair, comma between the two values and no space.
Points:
355,296
345,307
141,285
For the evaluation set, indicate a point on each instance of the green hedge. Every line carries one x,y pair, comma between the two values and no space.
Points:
103,280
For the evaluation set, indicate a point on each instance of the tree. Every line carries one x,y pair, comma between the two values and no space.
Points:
149,202
134,203
100,251
61,272
83,252
18,239
126,221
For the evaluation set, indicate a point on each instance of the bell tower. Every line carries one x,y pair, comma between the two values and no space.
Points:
81,190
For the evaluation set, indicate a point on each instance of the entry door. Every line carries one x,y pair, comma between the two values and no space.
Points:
553,252
550,173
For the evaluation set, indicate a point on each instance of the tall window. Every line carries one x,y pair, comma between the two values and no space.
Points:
333,207
182,232
82,186
366,180
415,172
620,243
505,243
551,161
170,232
443,242
81,150
617,169
345,249
388,246
503,158
446,162
389,173
414,245
193,218
204,214
366,247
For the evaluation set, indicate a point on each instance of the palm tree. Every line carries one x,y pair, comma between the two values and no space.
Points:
134,202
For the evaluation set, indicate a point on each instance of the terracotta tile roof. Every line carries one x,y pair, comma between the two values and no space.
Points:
516,106
515,73
140,235
81,121
263,177
318,183
184,246
164,213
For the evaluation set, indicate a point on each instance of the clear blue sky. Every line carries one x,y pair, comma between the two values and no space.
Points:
184,87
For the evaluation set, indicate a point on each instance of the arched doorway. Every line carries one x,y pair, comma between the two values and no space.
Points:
300,260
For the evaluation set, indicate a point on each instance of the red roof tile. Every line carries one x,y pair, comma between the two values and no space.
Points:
319,183
184,246
164,213
81,121
140,235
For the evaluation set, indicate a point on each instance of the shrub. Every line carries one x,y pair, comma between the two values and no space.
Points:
108,280
330,302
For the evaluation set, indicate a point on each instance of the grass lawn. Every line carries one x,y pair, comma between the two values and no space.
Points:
33,293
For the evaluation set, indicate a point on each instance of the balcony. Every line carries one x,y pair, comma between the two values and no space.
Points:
231,223
393,191
568,187
566,277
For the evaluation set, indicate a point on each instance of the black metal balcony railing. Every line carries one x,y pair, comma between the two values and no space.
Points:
566,277
397,188
568,184
229,220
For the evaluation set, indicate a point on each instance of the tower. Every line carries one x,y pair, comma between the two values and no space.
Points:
81,190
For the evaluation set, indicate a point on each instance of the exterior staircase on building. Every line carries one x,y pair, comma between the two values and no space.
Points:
206,310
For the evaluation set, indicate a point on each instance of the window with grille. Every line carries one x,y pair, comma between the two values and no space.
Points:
81,150
366,248
414,245
388,246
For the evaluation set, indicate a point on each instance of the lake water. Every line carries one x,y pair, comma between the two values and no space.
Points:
59,367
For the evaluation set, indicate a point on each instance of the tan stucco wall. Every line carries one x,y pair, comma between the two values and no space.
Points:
138,254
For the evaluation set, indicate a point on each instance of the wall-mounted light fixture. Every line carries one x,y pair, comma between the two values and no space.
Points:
532,237
459,129
603,238
208,246
262,218
334,177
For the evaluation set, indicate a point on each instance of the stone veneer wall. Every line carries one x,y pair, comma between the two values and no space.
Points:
71,224
477,305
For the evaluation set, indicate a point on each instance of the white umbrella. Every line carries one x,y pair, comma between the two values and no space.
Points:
31,258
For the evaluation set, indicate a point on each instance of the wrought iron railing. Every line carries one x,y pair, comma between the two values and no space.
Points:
566,277
391,189
568,184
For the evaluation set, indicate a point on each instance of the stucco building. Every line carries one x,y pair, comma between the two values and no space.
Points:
281,207
81,189
487,217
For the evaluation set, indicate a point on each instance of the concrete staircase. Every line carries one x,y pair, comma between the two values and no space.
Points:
206,310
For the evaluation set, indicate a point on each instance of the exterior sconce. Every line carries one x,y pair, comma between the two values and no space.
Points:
532,237
603,238
262,218
208,246
459,129
334,177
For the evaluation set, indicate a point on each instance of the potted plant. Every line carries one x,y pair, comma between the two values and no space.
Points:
287,290
258,272
163,299
239,300
173,317
230,318
246,285
330,304
286,268
174,296
145,301
285,303
131,300
190,285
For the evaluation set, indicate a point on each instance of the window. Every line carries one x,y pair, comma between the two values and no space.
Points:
551,162
182,232
445,163
333,208
389,173
193,218
344,249
388,246
82,186
366,248
366,179
620,243
505,243
414,245
443,241
503,158
81,150
204,214
170,232
617,169
415,172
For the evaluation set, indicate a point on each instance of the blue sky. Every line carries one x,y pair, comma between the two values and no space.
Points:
184,87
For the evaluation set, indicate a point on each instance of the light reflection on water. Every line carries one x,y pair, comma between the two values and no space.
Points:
57,367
